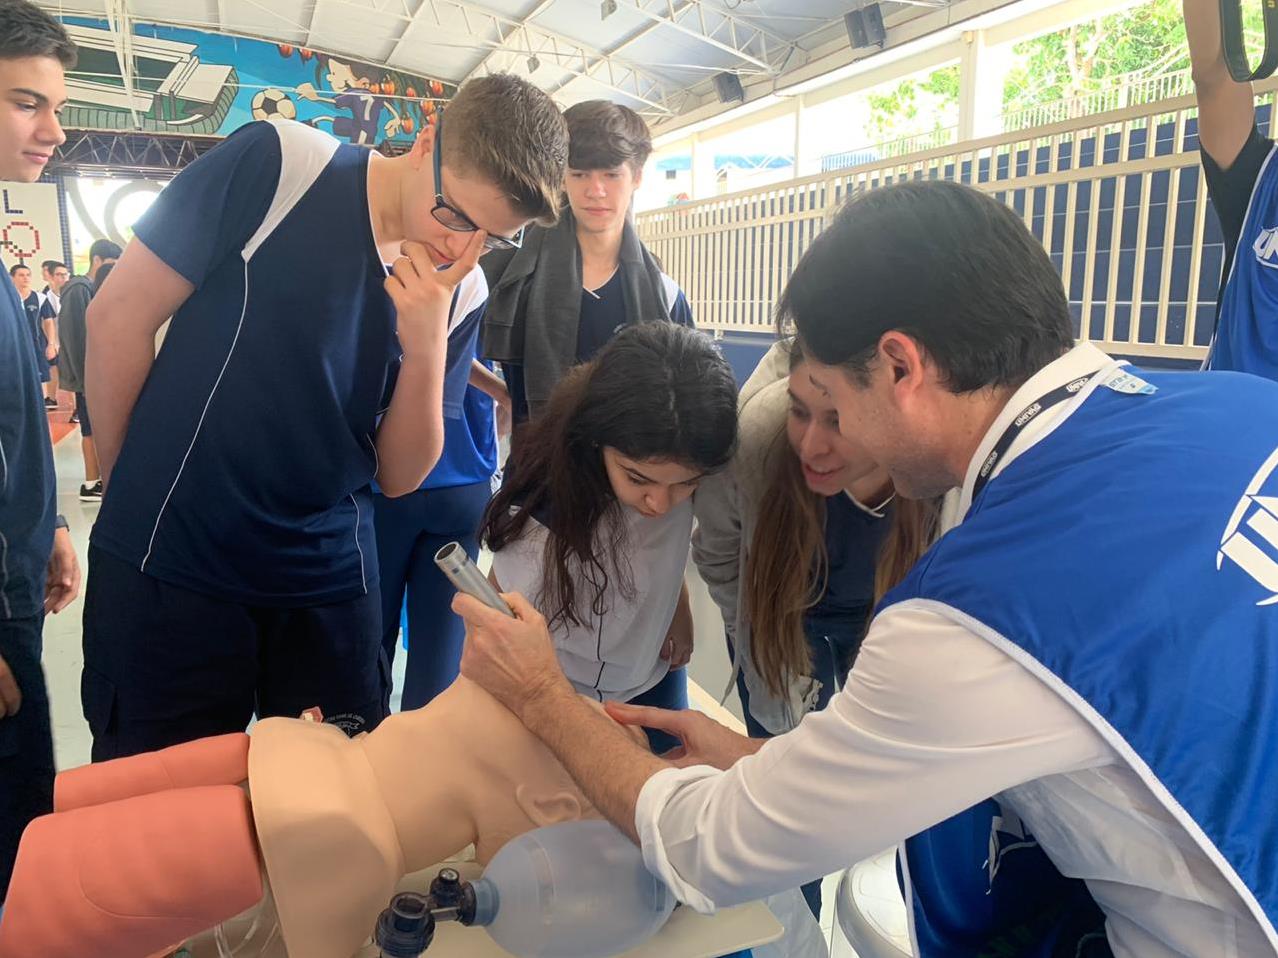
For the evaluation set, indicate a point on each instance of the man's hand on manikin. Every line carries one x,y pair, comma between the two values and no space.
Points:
513,659
702,740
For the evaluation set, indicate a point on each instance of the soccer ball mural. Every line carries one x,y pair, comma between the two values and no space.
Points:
206,84
272,104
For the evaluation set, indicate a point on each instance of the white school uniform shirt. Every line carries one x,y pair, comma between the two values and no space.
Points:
932,720
616,656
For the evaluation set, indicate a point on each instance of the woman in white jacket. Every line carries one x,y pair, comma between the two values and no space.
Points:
796,541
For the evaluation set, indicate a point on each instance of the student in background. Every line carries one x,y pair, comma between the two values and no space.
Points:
75,303
1243,183
39,572
42,322
594,518
557,301
55,276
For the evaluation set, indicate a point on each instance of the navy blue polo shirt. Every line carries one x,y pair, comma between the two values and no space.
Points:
853,537
26,466
247,466
602,316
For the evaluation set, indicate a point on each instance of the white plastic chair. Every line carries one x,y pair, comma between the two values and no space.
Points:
871,911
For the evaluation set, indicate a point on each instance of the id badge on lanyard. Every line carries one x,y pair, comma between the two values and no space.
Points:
1117,380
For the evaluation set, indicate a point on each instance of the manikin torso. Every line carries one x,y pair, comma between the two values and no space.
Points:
337,823
462,770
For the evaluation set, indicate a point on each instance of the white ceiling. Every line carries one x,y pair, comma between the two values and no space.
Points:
658,56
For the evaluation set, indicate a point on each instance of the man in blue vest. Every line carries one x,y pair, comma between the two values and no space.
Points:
1094,646
1243,184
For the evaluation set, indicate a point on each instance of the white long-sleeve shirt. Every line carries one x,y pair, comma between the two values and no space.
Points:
616,656
932,720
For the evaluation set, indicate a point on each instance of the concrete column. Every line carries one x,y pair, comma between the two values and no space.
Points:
805,163
703,171
982,72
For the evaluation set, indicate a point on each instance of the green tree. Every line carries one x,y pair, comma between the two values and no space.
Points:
1139,43
914,106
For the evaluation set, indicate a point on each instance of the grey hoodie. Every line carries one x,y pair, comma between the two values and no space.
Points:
72,333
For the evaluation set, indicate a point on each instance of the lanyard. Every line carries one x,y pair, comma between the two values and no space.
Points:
1234,47
1027,416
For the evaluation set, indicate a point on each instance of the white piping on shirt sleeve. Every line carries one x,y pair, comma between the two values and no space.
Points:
472,293
670,292
239,326
304,154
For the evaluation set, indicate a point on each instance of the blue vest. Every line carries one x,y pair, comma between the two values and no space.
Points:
1247,324
1130,560
980,886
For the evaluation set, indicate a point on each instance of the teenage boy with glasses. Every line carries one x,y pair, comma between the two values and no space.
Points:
233,569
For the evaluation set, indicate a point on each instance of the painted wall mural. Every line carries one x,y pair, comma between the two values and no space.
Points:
30,230
204,84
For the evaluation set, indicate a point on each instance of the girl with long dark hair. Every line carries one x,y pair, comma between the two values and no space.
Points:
594,519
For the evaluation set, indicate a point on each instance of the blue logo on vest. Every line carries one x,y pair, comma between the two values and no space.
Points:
1251,538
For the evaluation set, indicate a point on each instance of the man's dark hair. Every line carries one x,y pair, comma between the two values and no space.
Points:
104,249
13,270
27,31
603,135
49,265
949,266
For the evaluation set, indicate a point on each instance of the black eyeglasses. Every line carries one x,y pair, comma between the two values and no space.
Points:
450,217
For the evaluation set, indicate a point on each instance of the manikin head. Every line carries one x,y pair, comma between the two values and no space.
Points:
501,152
35,52
920,309
608,144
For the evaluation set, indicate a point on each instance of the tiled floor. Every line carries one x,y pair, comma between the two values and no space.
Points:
62,655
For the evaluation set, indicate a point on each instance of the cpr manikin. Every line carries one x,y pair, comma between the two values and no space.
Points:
145,852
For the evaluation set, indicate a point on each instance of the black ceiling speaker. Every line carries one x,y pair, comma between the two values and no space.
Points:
729,88
865,27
